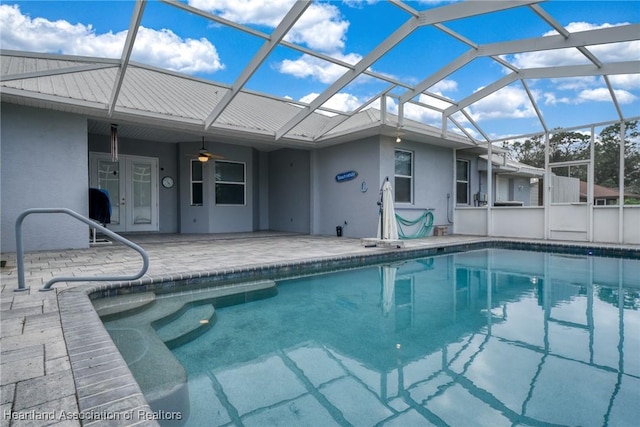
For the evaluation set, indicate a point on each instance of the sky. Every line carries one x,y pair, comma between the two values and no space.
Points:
348,30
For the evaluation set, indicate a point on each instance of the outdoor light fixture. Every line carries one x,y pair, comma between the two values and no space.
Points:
204,155
398,140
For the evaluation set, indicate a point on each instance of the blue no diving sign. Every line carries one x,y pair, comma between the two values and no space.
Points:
346,176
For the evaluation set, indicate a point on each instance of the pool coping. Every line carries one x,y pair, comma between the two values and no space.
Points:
105,385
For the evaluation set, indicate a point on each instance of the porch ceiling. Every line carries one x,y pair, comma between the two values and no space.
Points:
161,105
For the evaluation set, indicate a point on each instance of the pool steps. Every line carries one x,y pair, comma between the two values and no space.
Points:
145,326
188,325
123,304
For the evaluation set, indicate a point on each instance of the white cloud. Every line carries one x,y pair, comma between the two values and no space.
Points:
575,83
161,48
422,114
318,69
603,95
359,4
320,27
444,85
550,98
508,102
414,112
626,81
166,49
614,52
260,12
340,101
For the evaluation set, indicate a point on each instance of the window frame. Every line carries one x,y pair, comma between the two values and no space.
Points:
467,183
409,177
195,181
222,182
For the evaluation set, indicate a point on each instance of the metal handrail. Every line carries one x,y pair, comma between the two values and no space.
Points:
93,224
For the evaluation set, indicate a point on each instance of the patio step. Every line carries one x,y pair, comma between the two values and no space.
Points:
185,325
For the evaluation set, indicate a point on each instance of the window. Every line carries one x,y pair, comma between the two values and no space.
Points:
601,202
462,182
403,176
230,183
196,183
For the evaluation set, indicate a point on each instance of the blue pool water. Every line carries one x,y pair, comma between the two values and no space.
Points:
487,337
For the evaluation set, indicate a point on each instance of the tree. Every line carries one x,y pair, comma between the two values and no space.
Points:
607,157
568,146
530,152
565,146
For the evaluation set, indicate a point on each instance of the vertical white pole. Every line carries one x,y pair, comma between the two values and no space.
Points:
454,193
621,185
489,188
546,191
590,183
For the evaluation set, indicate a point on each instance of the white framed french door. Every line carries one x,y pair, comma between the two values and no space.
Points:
132,185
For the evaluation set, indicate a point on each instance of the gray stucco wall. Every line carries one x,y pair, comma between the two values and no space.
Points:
167,155
44,165
289,191
433,179
374,160
337,202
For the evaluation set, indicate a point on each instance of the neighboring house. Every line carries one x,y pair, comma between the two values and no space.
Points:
511,180
57,136
603,196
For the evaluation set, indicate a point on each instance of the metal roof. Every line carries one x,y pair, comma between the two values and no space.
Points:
137,95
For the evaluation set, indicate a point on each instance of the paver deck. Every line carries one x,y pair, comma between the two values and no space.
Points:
58,364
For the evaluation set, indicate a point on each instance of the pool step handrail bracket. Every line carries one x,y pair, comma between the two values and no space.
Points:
90,223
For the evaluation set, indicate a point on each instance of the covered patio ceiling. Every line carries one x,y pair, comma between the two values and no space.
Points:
447,53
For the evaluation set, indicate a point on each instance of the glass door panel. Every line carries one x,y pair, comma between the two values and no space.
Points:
132,184
141,196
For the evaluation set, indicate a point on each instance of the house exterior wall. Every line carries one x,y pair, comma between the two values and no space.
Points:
289,191
339,202
261,193
433,180
521,190
210,217
374,160
44,165
167,155
508,188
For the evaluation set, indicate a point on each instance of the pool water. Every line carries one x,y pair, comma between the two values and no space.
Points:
487,337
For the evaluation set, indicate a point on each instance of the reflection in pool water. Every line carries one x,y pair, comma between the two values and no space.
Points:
488,337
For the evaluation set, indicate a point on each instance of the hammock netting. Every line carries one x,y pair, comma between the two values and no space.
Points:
423,225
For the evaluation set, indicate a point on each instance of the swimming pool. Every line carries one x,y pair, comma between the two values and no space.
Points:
486,337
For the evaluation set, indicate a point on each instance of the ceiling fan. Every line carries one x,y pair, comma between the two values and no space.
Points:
204,155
